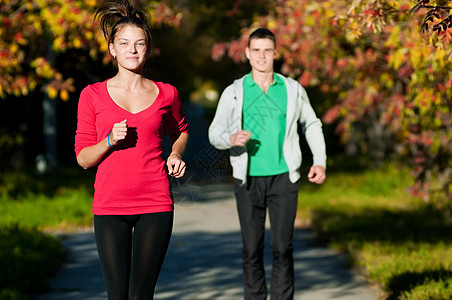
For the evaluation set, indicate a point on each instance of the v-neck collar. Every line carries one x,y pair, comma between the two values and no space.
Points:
118,109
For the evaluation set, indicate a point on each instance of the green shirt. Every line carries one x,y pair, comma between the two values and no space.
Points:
264,115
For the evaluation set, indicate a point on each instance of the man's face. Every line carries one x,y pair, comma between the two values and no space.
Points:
261,54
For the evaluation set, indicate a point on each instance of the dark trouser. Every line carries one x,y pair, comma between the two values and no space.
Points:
280,196
131,252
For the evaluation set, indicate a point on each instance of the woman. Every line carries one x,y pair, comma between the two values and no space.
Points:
121,124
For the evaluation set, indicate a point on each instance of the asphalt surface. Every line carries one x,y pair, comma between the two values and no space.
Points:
204,258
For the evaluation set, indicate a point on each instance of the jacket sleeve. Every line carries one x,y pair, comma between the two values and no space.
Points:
220,128
312,129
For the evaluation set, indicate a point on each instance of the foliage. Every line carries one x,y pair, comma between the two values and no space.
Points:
28,259
399,244
61,200
204,23
393,84
435,289
51,50
33,32
439,13
377,13
31,205
220,19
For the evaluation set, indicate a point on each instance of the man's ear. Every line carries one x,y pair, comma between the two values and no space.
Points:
247,52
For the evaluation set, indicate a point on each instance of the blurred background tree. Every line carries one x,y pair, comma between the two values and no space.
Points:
33,34
383,85
387,86
184,52
50,50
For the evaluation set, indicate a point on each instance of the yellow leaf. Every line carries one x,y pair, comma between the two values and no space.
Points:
24,90
33,84
329,13
52,92
271,24
14,48
91,3
64,95
309,21
57,43
415,57
89,35
397,59
353,35
388,82
440,55
394,39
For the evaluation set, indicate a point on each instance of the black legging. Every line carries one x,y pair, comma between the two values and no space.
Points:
131,252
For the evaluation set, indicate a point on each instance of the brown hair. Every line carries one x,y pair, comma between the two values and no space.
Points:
262,33
114,15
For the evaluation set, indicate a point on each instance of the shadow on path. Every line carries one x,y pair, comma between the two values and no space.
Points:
204,265
204,259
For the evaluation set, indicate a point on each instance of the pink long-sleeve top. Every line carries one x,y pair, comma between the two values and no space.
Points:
131,178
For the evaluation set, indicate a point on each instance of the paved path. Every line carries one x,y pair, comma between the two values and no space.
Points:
204,258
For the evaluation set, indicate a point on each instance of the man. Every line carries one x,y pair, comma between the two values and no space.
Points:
257,119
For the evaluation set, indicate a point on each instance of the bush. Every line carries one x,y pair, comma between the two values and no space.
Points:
432,290
28,258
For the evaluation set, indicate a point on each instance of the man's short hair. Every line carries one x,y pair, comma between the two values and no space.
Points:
262,33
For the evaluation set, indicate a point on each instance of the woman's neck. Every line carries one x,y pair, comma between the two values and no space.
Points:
129,80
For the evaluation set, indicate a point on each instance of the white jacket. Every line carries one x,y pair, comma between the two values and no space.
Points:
228,120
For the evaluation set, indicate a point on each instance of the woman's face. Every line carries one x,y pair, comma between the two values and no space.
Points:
129,47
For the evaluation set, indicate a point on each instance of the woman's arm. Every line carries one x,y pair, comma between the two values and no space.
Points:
176,166
91,155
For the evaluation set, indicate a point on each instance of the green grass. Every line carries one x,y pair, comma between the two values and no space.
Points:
401,244
67,210
32,208
60,201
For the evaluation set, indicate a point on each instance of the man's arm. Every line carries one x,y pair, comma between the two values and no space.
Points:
317,174
312,129
220,129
